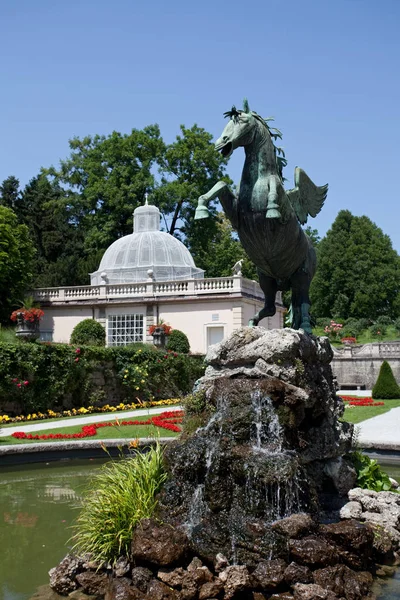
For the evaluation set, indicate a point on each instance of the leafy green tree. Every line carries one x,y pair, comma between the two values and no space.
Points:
189,168
358,273
16,262
106,179
224,251
10,194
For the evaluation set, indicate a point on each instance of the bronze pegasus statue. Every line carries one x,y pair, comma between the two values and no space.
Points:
267,217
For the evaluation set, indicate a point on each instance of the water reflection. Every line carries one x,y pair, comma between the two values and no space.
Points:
38,503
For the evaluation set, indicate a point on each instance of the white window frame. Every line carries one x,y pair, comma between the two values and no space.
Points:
124,329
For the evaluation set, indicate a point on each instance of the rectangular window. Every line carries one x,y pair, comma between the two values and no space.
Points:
125,329
46,336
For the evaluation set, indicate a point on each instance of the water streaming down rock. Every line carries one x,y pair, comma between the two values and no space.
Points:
273,446
266,431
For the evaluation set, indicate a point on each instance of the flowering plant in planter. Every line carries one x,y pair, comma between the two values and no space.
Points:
167,328
29,315
349,340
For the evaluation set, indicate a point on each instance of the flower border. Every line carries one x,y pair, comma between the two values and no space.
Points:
167,420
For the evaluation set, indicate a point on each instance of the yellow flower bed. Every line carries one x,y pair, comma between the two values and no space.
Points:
50,414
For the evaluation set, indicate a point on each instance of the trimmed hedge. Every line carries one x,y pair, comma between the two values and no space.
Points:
88,333
386,387
43,376
178,342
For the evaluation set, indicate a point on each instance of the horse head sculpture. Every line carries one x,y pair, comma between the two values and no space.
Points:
266,217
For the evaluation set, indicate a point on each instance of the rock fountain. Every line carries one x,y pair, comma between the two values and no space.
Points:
248,507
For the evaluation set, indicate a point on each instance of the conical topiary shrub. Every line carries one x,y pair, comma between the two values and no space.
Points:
386,387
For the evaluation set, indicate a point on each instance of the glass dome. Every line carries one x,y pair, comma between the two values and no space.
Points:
146,253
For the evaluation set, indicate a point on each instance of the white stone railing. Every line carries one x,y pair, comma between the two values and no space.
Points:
187,287
374,350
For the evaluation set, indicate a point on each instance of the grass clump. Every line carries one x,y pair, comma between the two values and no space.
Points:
121,494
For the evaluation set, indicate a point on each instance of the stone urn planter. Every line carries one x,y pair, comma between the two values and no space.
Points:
28,321
160,334
27,330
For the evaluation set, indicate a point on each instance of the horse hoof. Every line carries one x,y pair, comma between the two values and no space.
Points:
252,323
306,327
272,213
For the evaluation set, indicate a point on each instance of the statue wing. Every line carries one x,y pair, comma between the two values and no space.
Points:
306,198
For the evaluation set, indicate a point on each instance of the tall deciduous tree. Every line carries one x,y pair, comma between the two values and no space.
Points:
16,262
224,251
190,167
106,178
358,272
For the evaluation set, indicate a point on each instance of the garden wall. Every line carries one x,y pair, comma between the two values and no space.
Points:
37,377
361,364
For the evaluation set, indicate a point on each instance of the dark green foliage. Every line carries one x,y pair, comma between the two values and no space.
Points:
386,386
16,262
369,474
323,321
57,373
198,410
10,194
353,327
358,271
88,333
349,331
377,330
178,342
313,235
397,324
384,320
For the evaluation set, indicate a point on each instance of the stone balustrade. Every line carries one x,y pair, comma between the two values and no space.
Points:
361,364
187,287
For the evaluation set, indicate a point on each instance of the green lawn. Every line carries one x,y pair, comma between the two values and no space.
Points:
128,431
356,414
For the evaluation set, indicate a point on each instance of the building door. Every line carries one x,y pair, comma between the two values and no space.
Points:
214,335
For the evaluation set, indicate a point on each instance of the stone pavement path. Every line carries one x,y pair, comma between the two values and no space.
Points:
381,430
56,424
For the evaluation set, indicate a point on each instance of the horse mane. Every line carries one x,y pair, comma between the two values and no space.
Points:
274,133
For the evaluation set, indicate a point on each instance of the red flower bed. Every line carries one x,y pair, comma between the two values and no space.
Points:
359,401
166,420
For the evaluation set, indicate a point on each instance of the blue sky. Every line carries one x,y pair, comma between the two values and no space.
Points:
327,70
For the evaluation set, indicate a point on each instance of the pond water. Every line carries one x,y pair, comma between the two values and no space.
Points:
38,504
